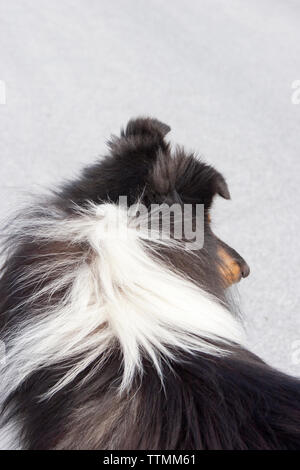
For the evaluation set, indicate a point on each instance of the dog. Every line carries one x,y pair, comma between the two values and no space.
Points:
131,342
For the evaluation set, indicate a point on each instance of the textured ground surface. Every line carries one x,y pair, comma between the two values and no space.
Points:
219,72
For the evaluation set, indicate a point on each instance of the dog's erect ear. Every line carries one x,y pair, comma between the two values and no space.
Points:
146,126
221,186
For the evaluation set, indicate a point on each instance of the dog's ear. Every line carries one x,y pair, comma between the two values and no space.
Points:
198,182
146,127
220,186
142,138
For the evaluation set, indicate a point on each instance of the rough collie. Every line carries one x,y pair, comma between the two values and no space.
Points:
130,342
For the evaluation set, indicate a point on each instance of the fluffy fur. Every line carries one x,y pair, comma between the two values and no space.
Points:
129,342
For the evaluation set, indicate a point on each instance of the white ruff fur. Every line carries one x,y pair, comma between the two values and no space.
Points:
116,291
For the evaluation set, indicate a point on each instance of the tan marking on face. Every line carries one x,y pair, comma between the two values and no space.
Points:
230,269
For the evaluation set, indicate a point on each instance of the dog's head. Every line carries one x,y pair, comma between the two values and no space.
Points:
141,166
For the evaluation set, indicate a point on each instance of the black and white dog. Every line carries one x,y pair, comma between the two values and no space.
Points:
115,342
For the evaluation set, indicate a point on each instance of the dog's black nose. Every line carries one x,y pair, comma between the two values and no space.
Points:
245,270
